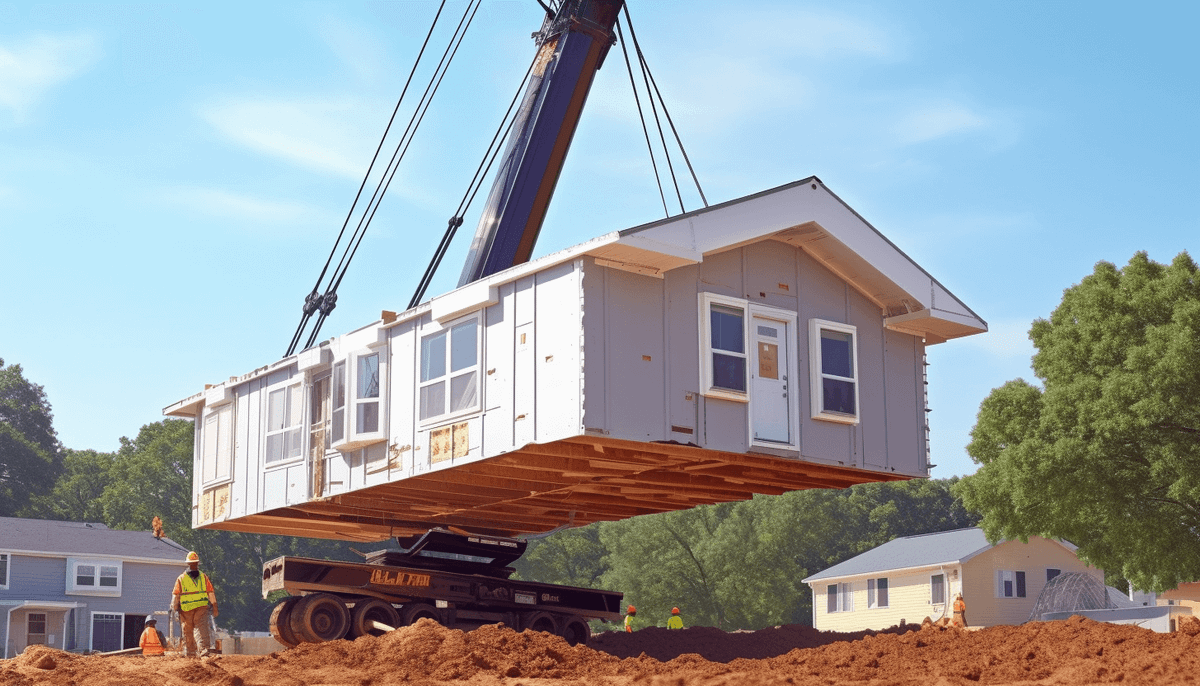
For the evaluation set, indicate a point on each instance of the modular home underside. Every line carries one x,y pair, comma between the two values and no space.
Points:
535,489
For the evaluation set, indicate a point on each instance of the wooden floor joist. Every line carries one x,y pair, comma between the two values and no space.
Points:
544,487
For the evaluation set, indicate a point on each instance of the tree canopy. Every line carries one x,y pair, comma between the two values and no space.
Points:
29,449
1106,452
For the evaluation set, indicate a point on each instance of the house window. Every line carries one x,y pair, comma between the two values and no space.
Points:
840,598
338,422
366,396
937,589
3,570
723,358
107,629
1051,573
93,577
1010,584
877,592
833,360
285,407
216,452
35,628
450,370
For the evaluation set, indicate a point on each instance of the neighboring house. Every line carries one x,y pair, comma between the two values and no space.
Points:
1187,595
80,586
916,577
771,343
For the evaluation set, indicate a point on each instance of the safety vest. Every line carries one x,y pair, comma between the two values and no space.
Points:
629,623
960,606
193,594
150,643
675,622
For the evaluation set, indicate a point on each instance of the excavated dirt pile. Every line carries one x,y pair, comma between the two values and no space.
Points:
1070,652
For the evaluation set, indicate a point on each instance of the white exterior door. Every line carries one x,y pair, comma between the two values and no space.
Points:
771,376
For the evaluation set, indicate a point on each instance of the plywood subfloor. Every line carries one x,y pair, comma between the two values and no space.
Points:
543,487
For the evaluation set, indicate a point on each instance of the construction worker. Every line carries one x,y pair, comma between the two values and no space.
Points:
153,642
192,596
630,613
675,622
960,611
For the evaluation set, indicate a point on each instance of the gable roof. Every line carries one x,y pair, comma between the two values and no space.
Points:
925,550
55,538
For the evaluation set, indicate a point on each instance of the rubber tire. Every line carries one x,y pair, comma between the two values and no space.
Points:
410,613
280,624
540,621
320,617
575,630
372,609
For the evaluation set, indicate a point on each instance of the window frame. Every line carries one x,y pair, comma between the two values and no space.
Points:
7,559
449,373
222,444
817,375
876,587
707,300
843,597
92,627
1019,581
73,587
300,426
945,589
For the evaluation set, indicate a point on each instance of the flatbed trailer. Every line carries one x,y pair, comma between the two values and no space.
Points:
460,581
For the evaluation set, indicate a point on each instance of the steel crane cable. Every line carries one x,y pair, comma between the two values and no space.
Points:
492,152
642,118
329,299
679,141
313,300
653,109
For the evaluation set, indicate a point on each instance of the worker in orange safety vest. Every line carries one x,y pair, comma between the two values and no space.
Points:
960,611
630,613
192,596
152,642
675,622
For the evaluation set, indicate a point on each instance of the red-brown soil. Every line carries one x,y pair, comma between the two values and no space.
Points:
1070,652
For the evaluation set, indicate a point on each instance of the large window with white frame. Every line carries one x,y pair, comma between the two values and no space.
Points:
839,598
285,431
937,589
449,383
216,449
1010,584
723,357
833,360
877,592
93,576
4,560
358,399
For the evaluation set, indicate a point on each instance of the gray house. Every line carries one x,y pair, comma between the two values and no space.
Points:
770,343
80,586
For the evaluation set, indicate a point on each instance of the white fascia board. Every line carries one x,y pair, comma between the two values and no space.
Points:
887,572
188,408
912,321
178,562
470,298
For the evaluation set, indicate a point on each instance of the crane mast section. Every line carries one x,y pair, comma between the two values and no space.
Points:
572,46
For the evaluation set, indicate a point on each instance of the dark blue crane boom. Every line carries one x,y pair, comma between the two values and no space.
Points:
572,45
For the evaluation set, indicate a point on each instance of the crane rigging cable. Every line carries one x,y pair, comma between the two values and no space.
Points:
642,118
654,109
328,300
313,300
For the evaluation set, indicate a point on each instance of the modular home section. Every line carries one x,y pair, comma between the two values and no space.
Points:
768,344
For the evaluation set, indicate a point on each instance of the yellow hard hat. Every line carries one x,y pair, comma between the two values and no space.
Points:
192,557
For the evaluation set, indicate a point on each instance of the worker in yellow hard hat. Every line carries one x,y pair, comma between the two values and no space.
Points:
193,596
630,613
675,622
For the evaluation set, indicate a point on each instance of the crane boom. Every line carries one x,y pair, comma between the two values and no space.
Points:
572,45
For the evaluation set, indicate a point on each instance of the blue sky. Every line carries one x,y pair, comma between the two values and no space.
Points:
172,175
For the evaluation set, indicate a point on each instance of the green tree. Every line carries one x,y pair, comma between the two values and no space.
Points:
574,557
30,454
77,495
1106,453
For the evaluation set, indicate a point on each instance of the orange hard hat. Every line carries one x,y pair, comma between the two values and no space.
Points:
631,609
192,557
674,610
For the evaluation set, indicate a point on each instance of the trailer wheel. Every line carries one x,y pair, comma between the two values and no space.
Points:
540,621
372,610
576,631
281,618
409,614
320,617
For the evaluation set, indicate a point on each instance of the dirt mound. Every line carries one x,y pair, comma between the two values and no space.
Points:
1075,651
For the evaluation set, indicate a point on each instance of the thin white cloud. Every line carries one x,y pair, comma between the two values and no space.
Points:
326,135
939,120
356,46
806,33
243,208
31,67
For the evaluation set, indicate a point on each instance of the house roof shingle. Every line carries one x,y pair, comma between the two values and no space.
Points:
925,550
84,538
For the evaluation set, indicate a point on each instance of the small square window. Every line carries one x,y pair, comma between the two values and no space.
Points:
723,356
833,355
937,589
877,593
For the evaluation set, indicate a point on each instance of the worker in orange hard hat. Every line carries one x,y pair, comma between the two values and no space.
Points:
193,596
675,622
960,611
630,613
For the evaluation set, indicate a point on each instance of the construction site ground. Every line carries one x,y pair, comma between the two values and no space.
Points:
1069,652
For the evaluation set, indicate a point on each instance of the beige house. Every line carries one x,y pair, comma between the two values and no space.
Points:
1187,595
916,577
